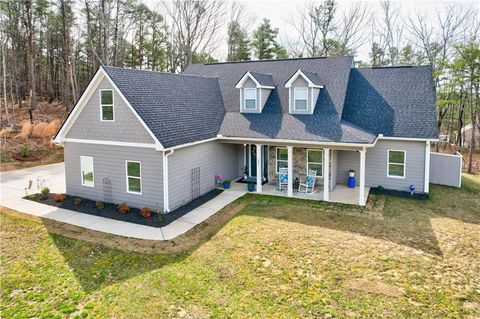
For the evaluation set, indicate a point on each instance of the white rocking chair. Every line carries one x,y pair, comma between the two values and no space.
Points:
282,178
308,185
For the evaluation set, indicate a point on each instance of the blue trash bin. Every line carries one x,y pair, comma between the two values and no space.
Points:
351,182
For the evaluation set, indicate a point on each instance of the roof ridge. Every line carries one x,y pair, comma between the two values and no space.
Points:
277,60
395,67
158,72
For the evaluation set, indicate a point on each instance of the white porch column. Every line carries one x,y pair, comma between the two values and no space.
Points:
426,182
259,168
326,174
290,171
361,191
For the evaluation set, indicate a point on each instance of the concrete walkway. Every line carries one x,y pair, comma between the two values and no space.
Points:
13,186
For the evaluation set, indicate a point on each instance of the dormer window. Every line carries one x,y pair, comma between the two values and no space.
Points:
303,91
250,98
254,89
301,98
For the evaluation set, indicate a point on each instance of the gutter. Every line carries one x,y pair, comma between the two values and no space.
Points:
166,202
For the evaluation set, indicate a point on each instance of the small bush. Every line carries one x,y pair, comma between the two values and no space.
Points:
39,129
145,212
25,151
59,198
99,204
77,201
123,208
45,191
32,196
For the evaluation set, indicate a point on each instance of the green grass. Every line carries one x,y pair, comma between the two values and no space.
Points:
277,258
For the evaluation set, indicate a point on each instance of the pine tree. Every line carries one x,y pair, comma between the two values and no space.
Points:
238,43
265,43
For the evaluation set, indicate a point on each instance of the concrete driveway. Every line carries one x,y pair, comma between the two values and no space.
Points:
13,184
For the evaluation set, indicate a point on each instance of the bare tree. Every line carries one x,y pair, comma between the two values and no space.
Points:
389,31
351,28
194,26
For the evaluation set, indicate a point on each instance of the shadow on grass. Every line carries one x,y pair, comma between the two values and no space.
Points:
407,222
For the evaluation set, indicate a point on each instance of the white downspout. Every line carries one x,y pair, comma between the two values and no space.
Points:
166,202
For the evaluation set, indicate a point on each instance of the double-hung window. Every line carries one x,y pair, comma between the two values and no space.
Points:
300,99
86,168
106,105
282,158
134,177
250,98
315,161
396,164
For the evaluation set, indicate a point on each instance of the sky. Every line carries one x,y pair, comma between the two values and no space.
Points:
280,12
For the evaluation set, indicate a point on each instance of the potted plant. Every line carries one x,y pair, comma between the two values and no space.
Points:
218,180
351,173
226,184
251,187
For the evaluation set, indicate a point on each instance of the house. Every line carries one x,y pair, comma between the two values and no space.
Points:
466,132
159,139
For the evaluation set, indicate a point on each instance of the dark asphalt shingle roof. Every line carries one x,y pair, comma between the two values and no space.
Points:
393,101
178,109
354,105
263,79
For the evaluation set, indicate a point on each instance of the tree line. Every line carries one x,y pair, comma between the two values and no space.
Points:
51,48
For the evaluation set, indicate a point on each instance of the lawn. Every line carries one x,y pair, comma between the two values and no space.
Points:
275,258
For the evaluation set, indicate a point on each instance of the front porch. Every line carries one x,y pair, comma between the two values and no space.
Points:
261,165
340,194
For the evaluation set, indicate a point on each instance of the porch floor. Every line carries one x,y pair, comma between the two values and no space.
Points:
340,194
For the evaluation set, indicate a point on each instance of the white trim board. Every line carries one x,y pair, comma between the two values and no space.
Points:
99,75
240,83
300,73
111,143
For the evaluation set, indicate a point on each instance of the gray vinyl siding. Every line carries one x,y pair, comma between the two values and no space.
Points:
109,161
265,95
125,127
213,159
300,82
376,165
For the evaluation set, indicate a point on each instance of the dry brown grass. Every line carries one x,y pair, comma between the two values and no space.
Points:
26,131
6,132
39,129
51,128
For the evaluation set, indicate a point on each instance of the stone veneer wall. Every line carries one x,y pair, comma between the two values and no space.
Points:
299,165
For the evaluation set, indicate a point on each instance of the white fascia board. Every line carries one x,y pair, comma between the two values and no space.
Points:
381,137
293,142
247,75
300,73
77,109
110,143
191,144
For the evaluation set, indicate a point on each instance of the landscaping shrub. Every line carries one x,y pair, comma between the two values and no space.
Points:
32,196
145,212
99,204
77,201
25,151
39,129
45,191
59,198
123,208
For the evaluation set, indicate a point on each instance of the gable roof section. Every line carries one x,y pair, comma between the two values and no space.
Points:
179,109
261,80
393,101
312,79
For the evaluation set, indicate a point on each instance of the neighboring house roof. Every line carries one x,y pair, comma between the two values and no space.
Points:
263,79
178,109
393,101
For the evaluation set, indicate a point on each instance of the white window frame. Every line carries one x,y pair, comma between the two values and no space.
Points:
245,99
127,176
81,172
101,105
303,99
277,160
404,164
322,163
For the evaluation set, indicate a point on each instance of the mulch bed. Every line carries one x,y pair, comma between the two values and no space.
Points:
383,191
87,206
250,180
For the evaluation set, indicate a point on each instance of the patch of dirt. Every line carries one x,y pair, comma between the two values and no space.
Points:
182,243
373,287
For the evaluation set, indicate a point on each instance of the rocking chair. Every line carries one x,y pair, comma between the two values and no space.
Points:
308,185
